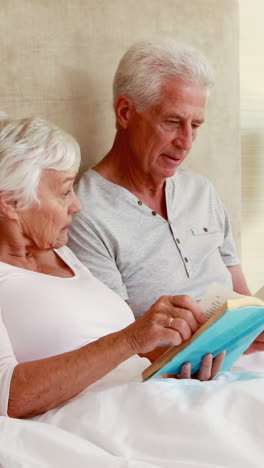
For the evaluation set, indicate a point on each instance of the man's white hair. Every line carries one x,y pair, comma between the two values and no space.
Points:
148,64
28,146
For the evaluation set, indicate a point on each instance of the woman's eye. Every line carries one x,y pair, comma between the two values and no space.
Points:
67,193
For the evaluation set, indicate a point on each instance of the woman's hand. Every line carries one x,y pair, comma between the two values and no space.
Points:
173,319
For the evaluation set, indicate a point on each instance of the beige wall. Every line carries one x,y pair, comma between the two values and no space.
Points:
252,138
58,58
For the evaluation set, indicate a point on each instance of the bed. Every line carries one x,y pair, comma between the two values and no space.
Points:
122,422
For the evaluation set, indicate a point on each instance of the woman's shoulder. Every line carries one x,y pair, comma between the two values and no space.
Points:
9,273
6,269
70,258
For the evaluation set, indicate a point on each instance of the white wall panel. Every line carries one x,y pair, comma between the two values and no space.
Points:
58,58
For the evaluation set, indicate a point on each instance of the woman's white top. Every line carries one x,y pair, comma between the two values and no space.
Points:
43,315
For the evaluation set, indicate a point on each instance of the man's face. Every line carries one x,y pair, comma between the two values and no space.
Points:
161,137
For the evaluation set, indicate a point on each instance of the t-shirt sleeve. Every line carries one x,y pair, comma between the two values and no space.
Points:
8,363
228,249
95,251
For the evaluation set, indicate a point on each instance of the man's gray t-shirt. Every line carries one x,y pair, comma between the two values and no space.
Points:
140,255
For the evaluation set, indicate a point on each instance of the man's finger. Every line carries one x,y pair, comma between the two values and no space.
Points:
217,364
205,370
186,371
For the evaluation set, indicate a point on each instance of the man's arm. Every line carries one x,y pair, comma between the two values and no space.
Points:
239,281
96,252
257,345
240,286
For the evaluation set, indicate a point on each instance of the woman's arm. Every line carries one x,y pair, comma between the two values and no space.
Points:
38,386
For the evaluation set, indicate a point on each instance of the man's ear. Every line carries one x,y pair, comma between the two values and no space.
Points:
8,207
124,109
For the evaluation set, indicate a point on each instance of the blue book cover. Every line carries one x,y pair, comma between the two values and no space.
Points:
232,326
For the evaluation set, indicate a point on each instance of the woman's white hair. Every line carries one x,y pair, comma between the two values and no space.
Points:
28,146
147,64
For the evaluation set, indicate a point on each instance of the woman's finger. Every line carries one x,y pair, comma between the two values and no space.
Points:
188,316
172,336
188,303
181,326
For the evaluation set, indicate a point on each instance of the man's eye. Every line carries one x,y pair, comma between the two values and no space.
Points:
175,122
67,193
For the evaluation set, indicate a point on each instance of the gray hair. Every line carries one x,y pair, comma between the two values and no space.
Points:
147,64
28,146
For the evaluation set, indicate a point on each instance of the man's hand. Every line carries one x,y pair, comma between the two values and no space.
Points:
257,345
208,370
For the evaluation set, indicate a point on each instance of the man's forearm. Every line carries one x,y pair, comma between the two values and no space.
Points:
239,281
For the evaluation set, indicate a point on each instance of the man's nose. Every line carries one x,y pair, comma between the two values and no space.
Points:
184,138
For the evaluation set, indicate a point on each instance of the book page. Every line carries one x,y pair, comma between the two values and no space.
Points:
215,297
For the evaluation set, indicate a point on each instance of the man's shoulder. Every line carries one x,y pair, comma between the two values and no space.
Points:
94,192
88,183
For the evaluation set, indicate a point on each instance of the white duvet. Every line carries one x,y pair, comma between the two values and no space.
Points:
121,422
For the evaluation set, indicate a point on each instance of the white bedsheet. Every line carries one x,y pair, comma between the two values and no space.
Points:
162,423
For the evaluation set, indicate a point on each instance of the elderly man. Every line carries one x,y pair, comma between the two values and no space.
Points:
147,227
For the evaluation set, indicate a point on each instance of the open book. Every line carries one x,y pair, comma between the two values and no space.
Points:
233,323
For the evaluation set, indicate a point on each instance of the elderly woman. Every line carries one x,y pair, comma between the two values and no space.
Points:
61,329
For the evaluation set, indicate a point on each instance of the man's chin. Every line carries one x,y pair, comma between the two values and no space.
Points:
169,171
170,165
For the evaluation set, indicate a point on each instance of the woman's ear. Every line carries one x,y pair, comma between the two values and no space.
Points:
124,109
8,207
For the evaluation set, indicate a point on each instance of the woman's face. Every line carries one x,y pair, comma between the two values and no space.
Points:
45,225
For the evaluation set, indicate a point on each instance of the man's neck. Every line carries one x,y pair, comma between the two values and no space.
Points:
122,170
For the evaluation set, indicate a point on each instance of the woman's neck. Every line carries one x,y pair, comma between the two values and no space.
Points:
14,247
17,250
